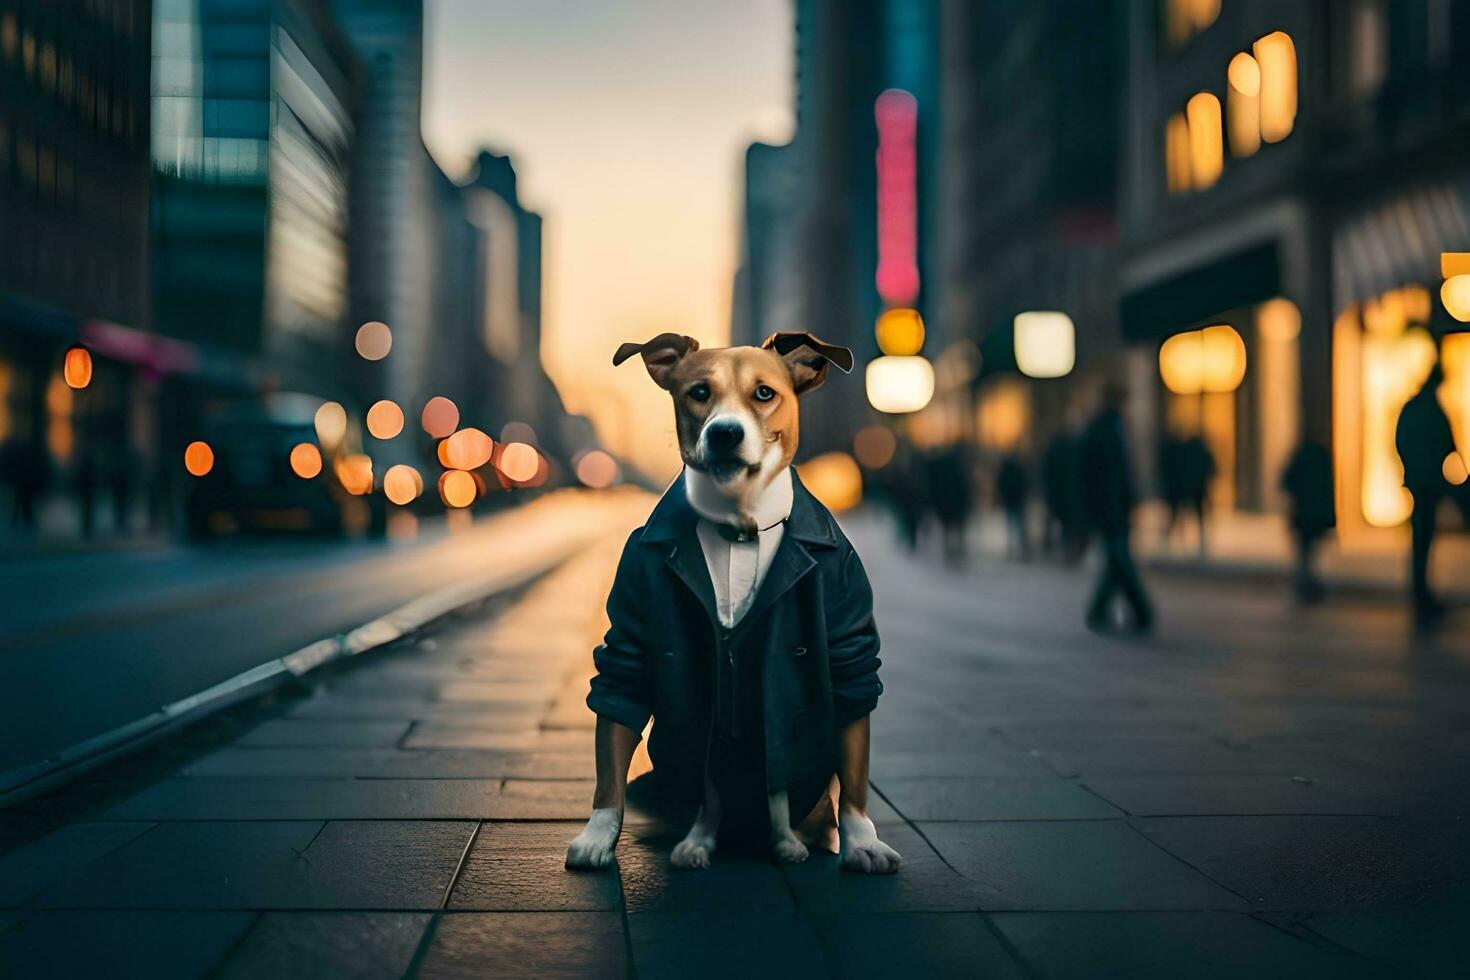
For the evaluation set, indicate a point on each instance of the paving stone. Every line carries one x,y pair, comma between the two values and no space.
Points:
1198,945
994,799
1321,863
27,871
1175,755
1235,793
121,944
527,944
550,799
1088,865
288,732
315,799
924,883
1426,937
331,706
516,867
992,760
714,944
273,864
393,763
311,945
734,883
502,731
915,944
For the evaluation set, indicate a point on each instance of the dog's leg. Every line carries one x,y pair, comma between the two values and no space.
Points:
787,847
593,847
698,845
861,849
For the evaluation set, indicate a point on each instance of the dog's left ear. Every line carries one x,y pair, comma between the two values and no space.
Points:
808,358
660,355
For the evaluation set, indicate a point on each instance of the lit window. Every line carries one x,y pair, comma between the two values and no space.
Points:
1276,56
1206,139
1176,153
1183,19
1243,105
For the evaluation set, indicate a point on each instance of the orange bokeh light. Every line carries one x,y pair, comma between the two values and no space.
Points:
874,446
198,458
440,417
402,484
467,449
597,469
519,462
355,473
457,488
76,369
384,420
306,460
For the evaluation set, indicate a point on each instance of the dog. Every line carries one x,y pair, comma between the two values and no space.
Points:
764,553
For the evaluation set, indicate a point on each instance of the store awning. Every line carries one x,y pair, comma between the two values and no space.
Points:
1398,242
1242,278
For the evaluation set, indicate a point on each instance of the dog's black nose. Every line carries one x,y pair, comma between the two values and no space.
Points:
723,436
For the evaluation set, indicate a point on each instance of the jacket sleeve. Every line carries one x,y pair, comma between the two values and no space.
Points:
852,644
620,687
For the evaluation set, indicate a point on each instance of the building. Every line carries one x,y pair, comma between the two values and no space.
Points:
765,296
74,118
1293,172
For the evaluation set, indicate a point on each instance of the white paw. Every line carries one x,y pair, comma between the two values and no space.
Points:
862,851
594,846
789,850
876,858
692,853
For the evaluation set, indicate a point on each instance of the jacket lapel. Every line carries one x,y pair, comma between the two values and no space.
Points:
671,528
687,561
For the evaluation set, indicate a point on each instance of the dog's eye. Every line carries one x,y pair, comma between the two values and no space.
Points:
699,392
764,393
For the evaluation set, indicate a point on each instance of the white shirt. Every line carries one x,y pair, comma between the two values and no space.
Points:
737,568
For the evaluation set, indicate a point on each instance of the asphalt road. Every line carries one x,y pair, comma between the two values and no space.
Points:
89,642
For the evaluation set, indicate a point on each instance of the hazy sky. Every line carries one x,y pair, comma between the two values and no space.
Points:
627,121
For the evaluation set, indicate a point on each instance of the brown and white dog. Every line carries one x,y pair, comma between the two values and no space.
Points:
738,422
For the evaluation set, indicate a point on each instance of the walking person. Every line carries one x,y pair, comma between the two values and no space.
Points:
1307,480
1196,470
1013,487
1108,471
1424,440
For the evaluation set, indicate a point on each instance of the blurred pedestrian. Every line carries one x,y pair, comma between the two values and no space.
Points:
1307,480
1424,440
1196,470
1013,487
901,489
1171,480
950,498
1061,492
1108,471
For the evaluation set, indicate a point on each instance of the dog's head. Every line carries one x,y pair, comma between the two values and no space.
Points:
736,407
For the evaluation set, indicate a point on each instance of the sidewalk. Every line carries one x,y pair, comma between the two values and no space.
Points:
1066,805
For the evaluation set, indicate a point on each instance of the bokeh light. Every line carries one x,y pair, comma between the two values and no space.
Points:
898,385
331,425
900,332
1455,294
374,340
1045,344
834,479
440,417
402,484
1453,469
384,419
467,449
306,460
597,469
456,488
198,458
76,368
519,462
1208,360
874,446
355,473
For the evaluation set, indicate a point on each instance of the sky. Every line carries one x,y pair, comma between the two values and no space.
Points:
627,122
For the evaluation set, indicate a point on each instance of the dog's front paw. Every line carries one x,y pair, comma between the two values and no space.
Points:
594,846
691,853
862,851
789,850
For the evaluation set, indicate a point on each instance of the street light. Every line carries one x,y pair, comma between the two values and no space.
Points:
899,385
1045,344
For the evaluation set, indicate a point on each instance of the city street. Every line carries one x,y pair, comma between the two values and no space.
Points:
1255,790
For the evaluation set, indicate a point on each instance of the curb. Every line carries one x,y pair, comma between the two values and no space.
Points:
28,781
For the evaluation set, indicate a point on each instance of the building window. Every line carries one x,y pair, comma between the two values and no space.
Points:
1206,139
1276,56
1176,154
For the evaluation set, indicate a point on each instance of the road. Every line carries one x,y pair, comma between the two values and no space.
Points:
1256,790
89,642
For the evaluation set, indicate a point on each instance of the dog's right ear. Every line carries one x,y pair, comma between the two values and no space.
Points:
660,355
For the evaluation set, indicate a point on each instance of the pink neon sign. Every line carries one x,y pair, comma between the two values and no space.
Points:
897,278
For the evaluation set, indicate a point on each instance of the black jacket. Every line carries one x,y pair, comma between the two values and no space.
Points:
1107,473
810,630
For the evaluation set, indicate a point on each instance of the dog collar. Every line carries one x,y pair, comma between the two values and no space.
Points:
740,535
